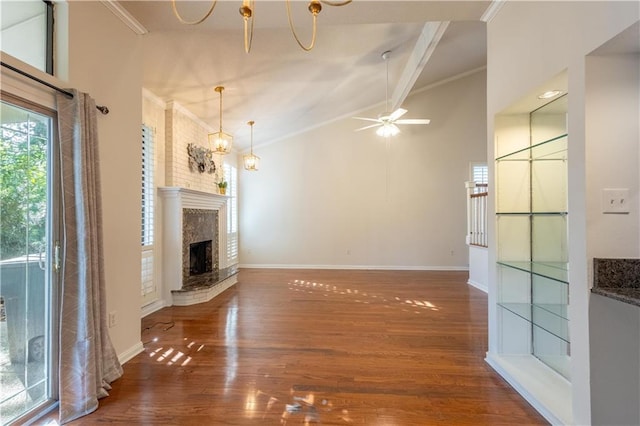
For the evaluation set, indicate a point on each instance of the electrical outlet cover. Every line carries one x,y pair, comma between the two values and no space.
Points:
615,200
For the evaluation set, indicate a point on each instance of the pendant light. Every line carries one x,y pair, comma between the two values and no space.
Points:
220,141
251,162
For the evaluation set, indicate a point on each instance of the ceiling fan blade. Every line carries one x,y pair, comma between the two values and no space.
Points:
368,127
397,114
413,121
367,119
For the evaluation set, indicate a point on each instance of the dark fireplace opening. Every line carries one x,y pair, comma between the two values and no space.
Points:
200,257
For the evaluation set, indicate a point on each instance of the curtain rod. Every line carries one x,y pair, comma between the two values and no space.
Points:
102,109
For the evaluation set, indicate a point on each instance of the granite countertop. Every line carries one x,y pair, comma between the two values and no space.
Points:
617,279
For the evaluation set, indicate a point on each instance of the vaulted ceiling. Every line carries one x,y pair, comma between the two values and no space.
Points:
287,90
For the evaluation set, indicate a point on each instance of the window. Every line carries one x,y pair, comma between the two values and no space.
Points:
231,176
480,175
29,218
148,286
27,32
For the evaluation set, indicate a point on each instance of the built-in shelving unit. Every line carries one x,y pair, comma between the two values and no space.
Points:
532,289
532,237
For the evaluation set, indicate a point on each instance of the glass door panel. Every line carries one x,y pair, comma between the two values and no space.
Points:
25,267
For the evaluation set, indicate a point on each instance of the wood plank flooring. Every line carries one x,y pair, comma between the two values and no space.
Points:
301,347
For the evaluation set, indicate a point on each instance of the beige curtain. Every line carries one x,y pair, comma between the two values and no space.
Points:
88,362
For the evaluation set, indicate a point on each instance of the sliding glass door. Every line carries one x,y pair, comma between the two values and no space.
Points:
28,253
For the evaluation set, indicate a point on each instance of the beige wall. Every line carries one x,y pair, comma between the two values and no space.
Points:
613,152
99,65
333,197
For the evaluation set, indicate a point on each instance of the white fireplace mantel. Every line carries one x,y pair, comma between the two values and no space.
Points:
174,200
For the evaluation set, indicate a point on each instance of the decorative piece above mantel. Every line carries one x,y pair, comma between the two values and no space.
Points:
201,159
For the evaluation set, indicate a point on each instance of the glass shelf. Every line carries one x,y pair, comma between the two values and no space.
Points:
551,318
557,271
543,151
532,213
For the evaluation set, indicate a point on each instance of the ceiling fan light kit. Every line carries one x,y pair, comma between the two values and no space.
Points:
386,122
247,11
387,130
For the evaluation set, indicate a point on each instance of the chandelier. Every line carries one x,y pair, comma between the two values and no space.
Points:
251,162
247,12
220,141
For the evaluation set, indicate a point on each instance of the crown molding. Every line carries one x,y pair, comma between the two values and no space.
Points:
116,8
175,106
149,95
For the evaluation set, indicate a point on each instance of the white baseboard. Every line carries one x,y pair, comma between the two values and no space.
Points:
477,285
127,355
152,307
354,267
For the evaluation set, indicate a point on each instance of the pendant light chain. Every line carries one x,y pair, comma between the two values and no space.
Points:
221,89
251,124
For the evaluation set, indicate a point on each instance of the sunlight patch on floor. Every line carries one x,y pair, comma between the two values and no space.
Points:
312,287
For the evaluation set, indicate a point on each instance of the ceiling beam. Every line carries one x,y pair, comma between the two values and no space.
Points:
425,46
492,10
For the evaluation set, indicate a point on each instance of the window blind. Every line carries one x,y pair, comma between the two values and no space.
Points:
231,176
147,186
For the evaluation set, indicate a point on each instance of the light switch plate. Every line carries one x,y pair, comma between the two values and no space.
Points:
615,200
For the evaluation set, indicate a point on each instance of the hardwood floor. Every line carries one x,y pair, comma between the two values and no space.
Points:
299,347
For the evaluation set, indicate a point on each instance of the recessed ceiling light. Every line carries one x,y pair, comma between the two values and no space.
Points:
549,94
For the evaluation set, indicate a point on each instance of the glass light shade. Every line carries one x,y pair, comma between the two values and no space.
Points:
251,162
387,129
220,142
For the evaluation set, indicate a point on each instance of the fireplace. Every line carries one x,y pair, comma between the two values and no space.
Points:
190,218
199,246
200,258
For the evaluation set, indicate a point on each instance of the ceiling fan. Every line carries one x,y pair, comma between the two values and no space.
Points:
386,122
